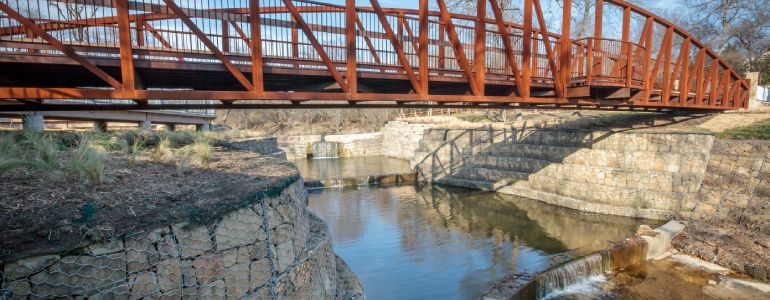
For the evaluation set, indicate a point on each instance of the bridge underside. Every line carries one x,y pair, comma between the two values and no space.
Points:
308,58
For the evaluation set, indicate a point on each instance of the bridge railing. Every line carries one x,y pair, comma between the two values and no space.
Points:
608,62
306,36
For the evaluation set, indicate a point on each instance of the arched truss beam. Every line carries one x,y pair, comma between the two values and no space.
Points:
585,71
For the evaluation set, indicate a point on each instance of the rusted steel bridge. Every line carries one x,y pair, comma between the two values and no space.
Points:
307,54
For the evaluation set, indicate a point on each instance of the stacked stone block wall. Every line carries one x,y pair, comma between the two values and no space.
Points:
401,139
267,146
736,187
635,174
350,145
271,249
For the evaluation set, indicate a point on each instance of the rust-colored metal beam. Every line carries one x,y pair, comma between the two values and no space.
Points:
126,46
210,45
67,50
526,55
422,50
565,53
257,76
462,60
555,72
489,82
367,40
350,47
405,64
507,45
480,46
316,45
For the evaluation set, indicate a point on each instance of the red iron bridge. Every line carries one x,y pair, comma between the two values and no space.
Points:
138,54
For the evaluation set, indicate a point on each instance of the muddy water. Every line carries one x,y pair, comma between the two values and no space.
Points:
430,242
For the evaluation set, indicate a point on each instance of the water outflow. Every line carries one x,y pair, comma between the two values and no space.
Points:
581,276
326,150
582,271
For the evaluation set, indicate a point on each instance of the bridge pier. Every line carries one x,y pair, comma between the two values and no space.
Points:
100,126
145,125
32,123
170,127
203,127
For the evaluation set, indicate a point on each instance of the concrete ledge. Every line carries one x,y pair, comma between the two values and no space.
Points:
658,244
362,181
580,205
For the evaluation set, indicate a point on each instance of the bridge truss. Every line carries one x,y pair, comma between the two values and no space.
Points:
307,54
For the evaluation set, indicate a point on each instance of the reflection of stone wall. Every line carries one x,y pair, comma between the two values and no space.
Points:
271,249
632,174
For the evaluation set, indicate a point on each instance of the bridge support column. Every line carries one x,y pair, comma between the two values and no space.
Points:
203,127
100,126
170,127
145,125
32,123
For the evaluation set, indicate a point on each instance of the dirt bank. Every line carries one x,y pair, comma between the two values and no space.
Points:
46,212
728,245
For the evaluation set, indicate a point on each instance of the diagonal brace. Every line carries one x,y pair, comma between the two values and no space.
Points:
207,42
67,50
316,45
397,46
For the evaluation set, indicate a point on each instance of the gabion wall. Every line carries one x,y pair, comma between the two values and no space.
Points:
266,250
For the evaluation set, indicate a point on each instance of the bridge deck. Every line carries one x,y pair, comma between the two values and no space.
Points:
169,50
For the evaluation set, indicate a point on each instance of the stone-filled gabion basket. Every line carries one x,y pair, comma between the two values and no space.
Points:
270,249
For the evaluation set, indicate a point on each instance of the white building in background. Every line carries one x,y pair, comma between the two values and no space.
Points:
763,94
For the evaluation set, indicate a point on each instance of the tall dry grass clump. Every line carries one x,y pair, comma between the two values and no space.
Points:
88,161
30,151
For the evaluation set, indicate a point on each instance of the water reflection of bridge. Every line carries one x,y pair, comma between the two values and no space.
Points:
236,51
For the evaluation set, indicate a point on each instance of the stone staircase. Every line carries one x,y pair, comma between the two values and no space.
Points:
637,170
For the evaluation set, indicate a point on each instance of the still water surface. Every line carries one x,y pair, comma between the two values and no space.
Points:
335,168
431,242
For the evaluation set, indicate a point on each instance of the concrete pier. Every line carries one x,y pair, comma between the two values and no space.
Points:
100,126
33,123
145,125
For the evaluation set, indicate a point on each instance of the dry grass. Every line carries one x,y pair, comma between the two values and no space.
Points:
88,161
756,131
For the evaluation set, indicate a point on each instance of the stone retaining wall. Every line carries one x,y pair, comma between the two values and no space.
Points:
267,146
396,139
350,145
271,249
633,174
736,187
401,139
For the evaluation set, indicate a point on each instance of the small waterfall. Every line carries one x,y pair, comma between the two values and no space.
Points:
326,150
582,275
584,270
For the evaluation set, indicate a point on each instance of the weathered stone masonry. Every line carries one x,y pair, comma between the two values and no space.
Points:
632,174
271,249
